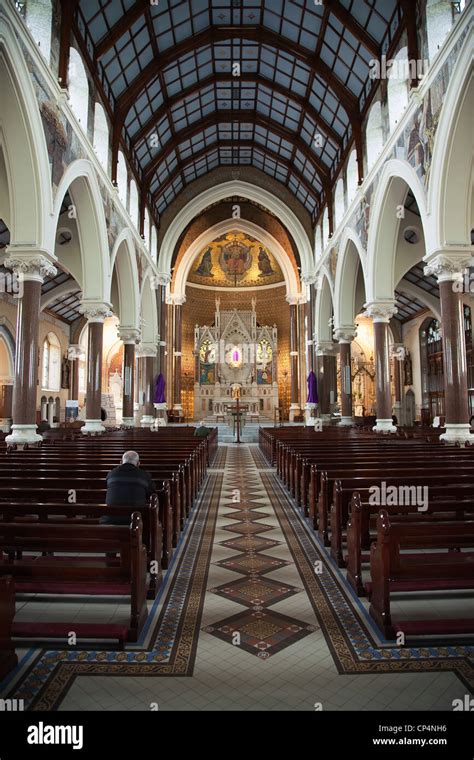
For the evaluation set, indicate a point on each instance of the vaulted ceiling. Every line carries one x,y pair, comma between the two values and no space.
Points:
193,85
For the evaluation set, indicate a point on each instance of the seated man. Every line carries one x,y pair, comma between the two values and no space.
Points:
201,431
44,426
127,485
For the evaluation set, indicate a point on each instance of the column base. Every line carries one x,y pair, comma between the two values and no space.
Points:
147,420
309,414
128,422
346,421
178,407
457,433
93,427
294,410
23,435
5,424
384,426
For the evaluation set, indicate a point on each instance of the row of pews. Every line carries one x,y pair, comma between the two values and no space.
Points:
53,546
396,515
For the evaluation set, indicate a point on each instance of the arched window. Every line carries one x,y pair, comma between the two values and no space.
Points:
122,178
38,16
133,210
325,228
101,136
154,244
440,15
339,202
51,368
352,177
374,135
146,228
397,90
78,88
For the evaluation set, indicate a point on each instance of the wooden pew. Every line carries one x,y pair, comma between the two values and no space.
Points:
392,571
8,658
363,514
39,574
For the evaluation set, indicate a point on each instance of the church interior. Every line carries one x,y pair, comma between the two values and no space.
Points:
236,237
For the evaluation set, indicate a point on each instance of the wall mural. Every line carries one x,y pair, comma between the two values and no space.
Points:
235,259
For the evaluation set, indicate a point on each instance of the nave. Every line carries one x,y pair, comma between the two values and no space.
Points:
243,622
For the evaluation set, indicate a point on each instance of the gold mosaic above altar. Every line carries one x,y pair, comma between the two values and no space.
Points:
235,260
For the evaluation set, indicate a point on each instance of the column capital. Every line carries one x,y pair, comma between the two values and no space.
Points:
75,351
326,348
309,278
381,311
398,351
160,279
345,334
145,350
129,335
295,298
95,311
177,299
448,265
30,265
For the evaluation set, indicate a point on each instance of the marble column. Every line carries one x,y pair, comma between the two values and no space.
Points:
398,354
95,313
326,373
74,354
147,357
449,267
345,336
381,313
178,302
30,270
129,337
294,342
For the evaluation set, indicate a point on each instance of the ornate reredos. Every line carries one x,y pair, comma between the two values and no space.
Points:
235,259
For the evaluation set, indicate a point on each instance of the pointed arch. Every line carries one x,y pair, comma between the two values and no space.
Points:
80,181
23,146
124,292
148,310
324,308
450,189
351,259
397,177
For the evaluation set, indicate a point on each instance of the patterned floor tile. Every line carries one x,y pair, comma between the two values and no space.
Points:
252,564
256,592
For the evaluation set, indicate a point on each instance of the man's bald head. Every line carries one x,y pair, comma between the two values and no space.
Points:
131,457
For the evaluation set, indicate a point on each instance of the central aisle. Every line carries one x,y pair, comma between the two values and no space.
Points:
259,645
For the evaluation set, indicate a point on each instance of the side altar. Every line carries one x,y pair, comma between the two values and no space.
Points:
235,350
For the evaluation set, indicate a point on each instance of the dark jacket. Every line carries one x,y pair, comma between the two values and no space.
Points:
129,486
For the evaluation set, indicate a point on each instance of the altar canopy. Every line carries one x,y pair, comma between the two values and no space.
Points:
235,349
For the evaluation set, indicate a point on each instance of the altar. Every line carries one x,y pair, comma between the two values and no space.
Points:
235,349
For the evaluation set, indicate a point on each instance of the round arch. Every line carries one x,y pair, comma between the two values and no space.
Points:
241,225
7,339
396,179
351,257
80,181
450,189
23,145
124,286
324,309
246,190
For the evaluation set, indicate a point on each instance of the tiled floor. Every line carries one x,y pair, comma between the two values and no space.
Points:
302,676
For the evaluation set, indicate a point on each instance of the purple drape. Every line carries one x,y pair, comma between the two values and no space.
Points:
312,389
160,385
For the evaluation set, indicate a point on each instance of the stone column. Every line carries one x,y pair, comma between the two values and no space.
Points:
449,267
95,313
30,269
345,336
162,281
326,373
294,341
147,357
74,354
178,302
129,337
398,354
381,313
